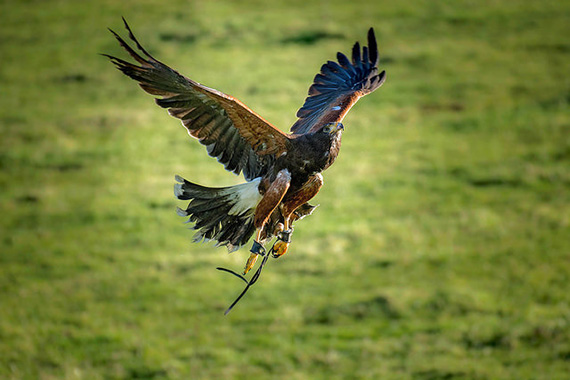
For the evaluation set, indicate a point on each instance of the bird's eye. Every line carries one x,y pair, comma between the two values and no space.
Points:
327,128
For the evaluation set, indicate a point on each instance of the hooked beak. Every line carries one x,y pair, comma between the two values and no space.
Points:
333,128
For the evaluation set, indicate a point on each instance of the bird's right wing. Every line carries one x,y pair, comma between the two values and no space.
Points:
339,86
239,138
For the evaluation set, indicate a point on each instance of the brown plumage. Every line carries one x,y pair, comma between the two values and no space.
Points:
282,170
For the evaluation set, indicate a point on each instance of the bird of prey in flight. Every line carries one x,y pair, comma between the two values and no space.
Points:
282,171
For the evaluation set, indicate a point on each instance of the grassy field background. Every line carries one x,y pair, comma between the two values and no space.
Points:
441,249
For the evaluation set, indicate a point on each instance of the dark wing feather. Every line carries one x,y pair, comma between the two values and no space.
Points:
339,85
239,138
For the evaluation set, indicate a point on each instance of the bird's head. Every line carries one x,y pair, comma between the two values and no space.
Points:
332,128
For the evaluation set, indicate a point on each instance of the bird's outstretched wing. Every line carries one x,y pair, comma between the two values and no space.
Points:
339,85
239,138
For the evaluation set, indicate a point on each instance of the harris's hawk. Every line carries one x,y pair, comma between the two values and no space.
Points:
282,170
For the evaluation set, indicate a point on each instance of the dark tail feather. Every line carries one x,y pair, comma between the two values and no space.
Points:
223,214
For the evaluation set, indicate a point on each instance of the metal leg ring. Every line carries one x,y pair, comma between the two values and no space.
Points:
257,248
285,236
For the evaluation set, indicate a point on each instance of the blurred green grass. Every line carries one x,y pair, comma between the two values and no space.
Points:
440,250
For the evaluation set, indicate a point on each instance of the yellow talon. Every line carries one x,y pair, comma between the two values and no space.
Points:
250,262
280,248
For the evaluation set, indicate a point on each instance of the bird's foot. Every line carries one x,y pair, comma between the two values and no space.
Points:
281,246
256,250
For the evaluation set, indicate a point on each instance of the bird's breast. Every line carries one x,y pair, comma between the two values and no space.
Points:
306,159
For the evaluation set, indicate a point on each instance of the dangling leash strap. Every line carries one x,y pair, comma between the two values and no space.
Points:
249,283
257,248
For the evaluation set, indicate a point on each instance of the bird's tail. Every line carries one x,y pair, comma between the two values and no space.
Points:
223,214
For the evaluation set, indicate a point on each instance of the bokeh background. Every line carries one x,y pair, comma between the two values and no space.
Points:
440,250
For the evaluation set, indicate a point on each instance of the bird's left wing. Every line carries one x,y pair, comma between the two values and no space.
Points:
239,138
339,85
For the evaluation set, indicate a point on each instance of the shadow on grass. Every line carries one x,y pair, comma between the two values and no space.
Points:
378,306
311,37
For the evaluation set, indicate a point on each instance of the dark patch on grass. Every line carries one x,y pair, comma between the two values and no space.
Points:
311,37
28,198
483,182
268,366
435,107
159,205
435,374
96,346
520,89
462,125
311,272
5,160
564,355
420,61
481,340
72,78
13,120
252,90
545,335
8,241
146,373
186,38
383,263
375,307
102,122
459,172
496,181
546,159
562,154
64,167
189,268
556,47
44,362
443,303
560,100
462,20
436,262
